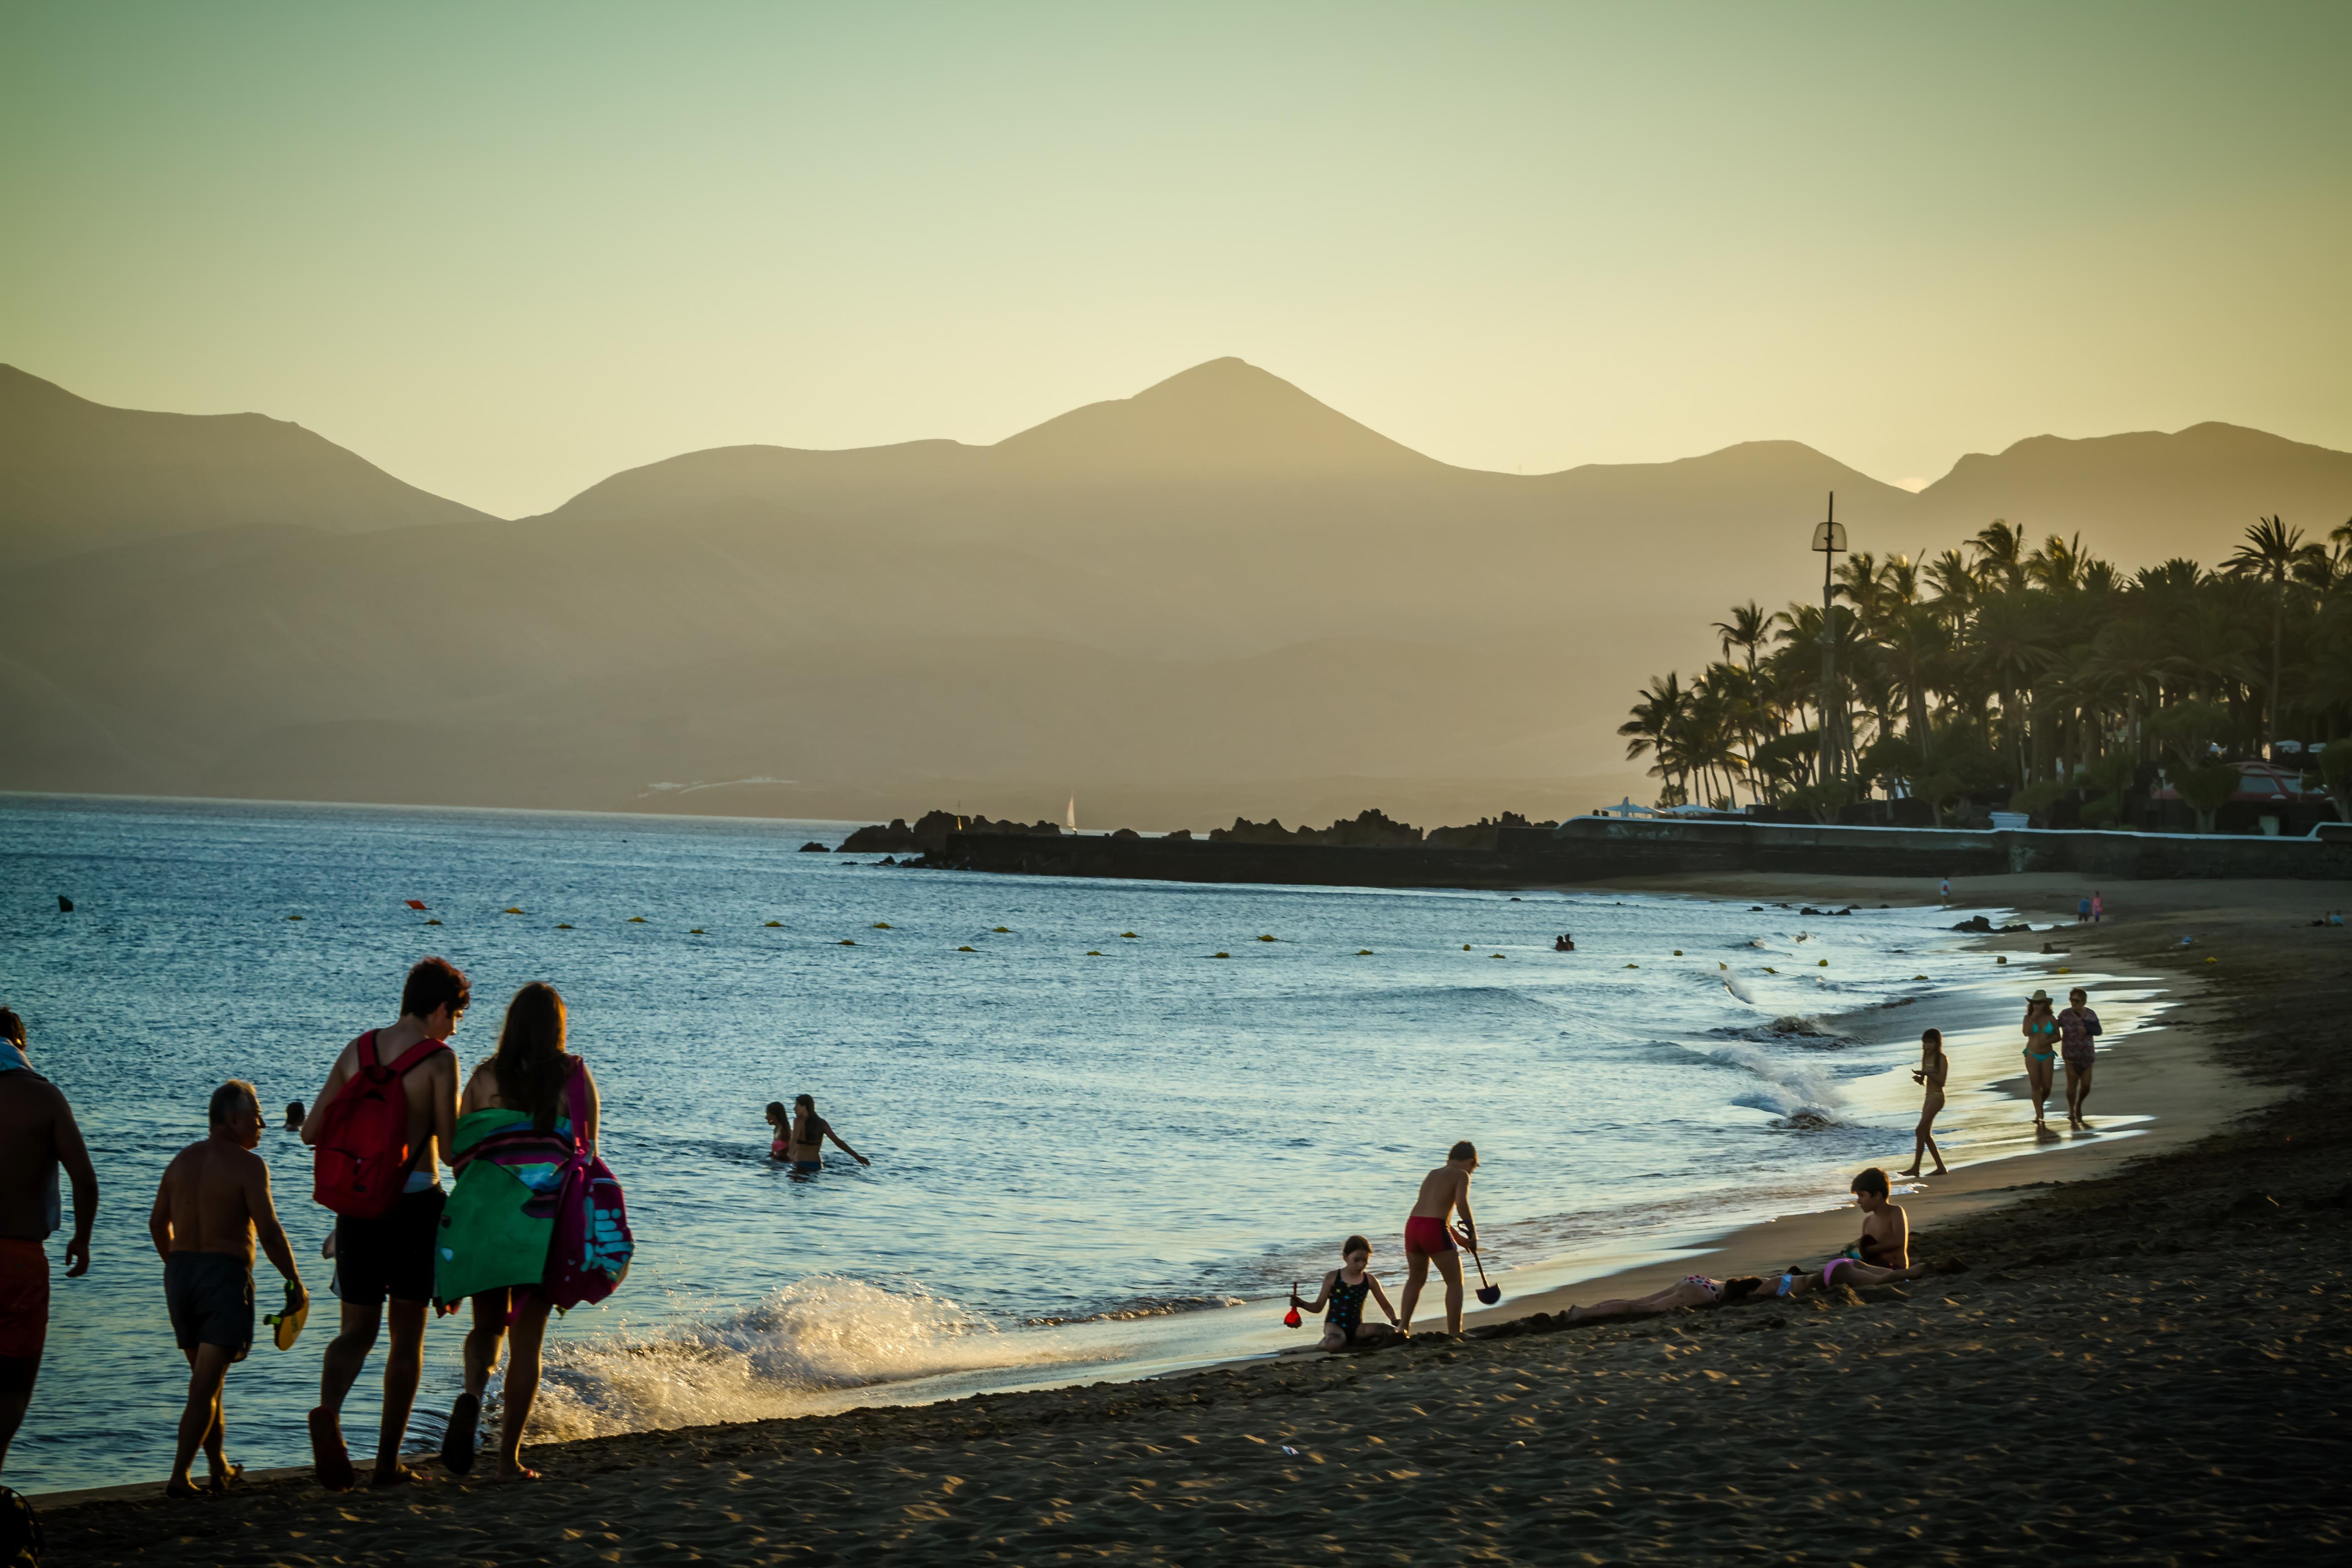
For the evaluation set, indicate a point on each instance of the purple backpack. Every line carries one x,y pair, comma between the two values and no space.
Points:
589,1255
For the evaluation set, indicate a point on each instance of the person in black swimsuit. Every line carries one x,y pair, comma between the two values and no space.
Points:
1344,1289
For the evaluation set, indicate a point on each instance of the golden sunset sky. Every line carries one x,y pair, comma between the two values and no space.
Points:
505,251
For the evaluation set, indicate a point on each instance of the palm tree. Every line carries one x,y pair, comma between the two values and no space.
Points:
2275,551
2000,555
1750,628
1655,727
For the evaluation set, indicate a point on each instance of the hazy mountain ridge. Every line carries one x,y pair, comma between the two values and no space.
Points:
1215,585
77,475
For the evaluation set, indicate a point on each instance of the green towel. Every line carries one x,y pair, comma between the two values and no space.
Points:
488,1239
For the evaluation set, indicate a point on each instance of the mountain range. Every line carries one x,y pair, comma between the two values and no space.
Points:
1217,597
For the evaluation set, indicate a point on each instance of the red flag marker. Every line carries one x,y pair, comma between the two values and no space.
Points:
416,903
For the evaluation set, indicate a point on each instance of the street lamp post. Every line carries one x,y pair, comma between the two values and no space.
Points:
1829,538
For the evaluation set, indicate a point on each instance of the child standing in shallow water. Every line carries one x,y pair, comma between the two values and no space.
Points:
1344,1289
1929,1074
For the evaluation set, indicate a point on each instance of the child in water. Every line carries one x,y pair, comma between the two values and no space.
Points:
1344,1289
781,1148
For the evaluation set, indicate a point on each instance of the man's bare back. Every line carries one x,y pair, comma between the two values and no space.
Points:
213,1196
38,1134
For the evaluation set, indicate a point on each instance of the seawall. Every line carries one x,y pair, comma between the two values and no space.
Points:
1595,850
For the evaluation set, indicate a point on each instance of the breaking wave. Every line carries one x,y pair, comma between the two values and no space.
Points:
1799,1096
813,1336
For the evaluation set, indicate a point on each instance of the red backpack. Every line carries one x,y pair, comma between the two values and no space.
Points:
363,1154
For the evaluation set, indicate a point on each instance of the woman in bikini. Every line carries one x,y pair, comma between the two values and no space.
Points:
1344,1289
808,1135
2041,1029
1929,1074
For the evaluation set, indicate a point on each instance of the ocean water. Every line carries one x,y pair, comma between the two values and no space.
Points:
1084,1142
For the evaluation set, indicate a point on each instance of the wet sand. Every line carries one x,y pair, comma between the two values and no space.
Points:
2137,1354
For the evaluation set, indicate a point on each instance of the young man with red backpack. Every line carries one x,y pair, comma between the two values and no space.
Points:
386,1113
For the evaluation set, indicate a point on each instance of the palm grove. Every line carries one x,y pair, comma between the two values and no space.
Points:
1996,673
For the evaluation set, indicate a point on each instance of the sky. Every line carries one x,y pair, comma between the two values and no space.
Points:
505,250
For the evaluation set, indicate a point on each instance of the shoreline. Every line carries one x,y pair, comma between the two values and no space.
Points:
2182,1051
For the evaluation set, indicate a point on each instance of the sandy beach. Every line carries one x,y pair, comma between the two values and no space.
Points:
2132,1353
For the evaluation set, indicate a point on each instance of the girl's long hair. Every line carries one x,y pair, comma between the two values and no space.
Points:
531,1065
804,1120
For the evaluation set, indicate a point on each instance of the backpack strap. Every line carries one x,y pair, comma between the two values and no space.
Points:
365,1045
411,1056
575,1102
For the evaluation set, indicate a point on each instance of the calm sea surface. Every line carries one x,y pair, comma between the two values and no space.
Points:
1076,1133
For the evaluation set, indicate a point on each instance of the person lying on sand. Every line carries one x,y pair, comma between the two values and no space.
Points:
1930,1074
1429,1240
214,1196
1690,1290
1344,1289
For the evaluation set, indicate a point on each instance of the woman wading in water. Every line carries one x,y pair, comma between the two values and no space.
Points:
1929,1074
2041,1027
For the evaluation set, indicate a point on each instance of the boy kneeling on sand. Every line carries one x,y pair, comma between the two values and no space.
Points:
214,1196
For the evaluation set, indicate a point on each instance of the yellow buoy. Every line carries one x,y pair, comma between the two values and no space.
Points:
1678,953
2210,959
1466,947
695,932
1267,939
1769,970
1002,929
1633,966
636,920
2002,959
1918,977
2063,970
1720,965
1497,955
1824,964
881,925
773,925
562,927
846,942
1363,952
1220,955
293,917
511,910
1094,952
433,922
967,949
1129,936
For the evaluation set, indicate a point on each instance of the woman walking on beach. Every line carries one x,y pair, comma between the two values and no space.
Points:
515,1136
1344,1289
2041,1027
806,1141
1929,1074
2078,1026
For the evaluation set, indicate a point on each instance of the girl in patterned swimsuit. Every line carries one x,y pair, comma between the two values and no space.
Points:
1344,1289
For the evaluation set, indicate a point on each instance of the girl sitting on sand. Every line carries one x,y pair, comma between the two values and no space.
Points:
1931,1073
2041,1027
1690,1290
1344,1289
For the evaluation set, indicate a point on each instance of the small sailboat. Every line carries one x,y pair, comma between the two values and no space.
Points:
1070,816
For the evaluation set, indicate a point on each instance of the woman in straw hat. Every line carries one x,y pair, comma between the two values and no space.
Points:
2041,1029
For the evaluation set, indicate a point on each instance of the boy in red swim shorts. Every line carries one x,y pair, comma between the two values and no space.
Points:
1428,1238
